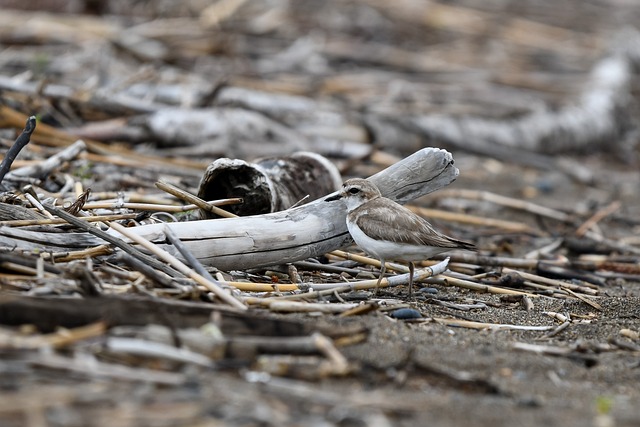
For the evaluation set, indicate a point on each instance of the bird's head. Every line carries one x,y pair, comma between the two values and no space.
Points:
355,192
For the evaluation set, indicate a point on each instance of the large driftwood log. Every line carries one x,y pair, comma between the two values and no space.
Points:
261,240
307,231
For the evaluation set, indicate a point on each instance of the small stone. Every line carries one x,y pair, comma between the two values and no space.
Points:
431,291
406,313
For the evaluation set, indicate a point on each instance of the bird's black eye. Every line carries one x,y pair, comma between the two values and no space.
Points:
354,190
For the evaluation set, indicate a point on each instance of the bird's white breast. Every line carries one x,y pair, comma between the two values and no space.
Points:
388,250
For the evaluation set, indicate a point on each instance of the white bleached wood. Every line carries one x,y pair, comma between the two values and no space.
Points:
306,231
257,241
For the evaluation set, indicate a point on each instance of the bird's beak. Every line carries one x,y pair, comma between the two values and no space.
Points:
334,197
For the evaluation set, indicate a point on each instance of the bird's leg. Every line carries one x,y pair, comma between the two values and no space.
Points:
411,270
383,268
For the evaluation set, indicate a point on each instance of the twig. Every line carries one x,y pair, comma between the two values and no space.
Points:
587,288
22,140
307,307
151,273
56,339
183,195
42,169
492,326
263,287
491,261
74,255
466,284
56,221
324,289
564,325
511,226
179,265
193,261
119,243
156,206
146,348
555,351
510,202
369,261
96,369
328,349
597,217
402,279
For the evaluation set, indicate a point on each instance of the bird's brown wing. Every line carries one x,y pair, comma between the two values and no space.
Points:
387,220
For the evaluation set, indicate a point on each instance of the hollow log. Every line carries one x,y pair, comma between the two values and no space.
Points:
275,238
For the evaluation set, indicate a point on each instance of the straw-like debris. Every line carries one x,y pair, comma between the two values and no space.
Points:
164,234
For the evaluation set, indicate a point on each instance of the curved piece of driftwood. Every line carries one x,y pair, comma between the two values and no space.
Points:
261,240
270,184
306,231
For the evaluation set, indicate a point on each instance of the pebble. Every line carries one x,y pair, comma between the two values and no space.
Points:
432,291
406,313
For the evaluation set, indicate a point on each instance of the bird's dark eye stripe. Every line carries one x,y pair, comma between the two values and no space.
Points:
354,190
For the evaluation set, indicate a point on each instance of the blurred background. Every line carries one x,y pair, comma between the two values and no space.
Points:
535,99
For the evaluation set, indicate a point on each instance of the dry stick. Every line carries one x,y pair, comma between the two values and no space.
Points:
307,307
597,217
558,329
491,261
154,349
181,194
32,197
585,300
444,279
511,226
548,350
59,339
23,269
369,261
119,243
74,255
44,168
95,369
553,285
534,209
263,287
55,221
112,154
402,279
156,206
179,265
552,282
132,197
329,350
148,271
508,202
466,284
193,261
22,140
324,289
493,326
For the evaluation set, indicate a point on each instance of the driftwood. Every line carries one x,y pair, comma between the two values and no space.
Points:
49,313
603,113
43,169
270,184
223,131
256,241
303,232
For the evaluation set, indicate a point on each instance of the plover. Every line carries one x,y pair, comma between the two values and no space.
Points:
389,231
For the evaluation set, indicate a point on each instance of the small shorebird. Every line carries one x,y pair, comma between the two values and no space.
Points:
389,231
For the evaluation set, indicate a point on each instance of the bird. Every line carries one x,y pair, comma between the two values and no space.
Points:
388,230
